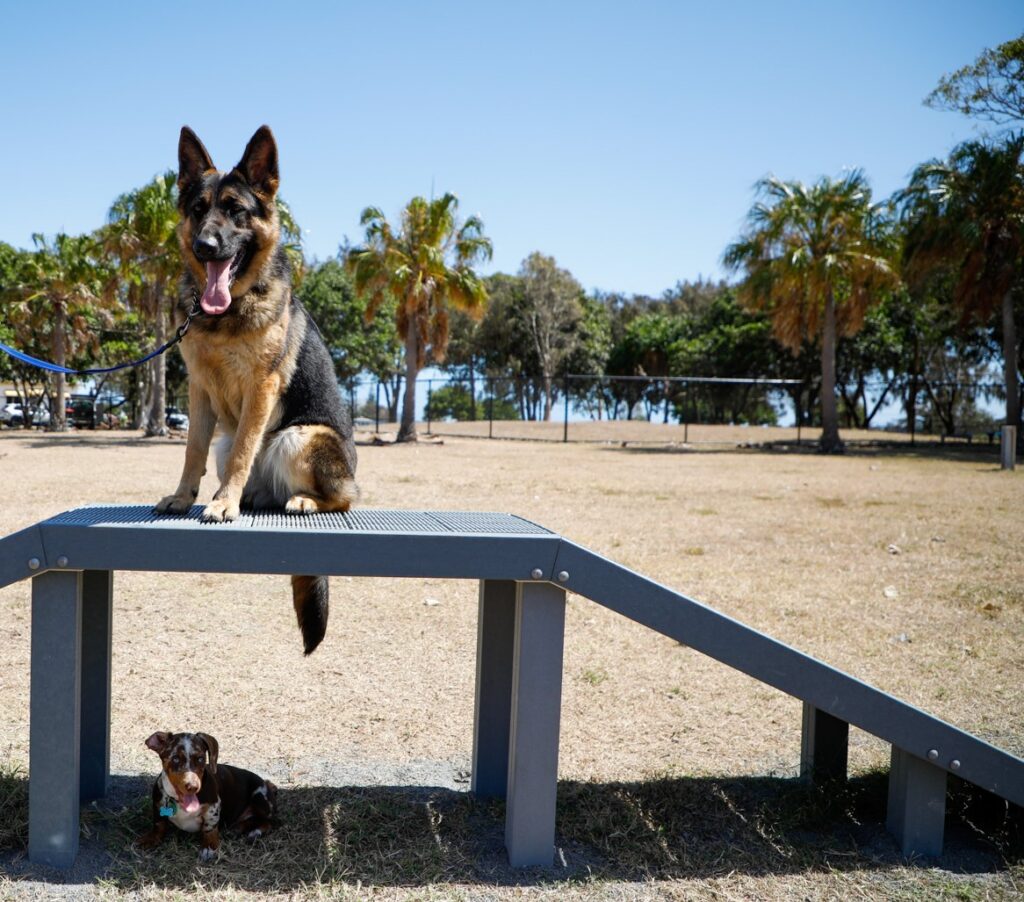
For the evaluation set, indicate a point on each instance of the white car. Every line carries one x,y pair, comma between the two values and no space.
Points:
14,415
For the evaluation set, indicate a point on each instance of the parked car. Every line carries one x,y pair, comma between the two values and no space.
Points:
14,415
175,419
81,413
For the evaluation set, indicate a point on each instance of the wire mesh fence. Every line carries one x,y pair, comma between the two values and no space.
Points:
683,410
690,410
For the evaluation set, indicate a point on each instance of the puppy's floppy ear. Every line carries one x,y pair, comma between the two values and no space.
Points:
193,159
259,162
158,742
212,749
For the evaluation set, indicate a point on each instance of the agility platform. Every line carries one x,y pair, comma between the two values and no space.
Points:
524,572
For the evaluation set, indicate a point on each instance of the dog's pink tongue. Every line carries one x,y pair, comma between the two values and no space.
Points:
190,803
217,296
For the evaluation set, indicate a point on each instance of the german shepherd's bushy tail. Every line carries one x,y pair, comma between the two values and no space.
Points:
310,597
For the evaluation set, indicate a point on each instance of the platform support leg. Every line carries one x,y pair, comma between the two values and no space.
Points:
492,712
97,607
824,746
917,804
536,709
54,718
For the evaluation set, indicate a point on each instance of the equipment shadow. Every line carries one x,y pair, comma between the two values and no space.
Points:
982,454
664,829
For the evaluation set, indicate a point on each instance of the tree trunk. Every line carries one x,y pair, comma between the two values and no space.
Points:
407,431
549,401
830,443
156,423
472,387
57,413
1010,367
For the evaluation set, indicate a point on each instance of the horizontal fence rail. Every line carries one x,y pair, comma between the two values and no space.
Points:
689,410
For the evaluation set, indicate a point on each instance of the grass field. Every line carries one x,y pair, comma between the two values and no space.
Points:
901,567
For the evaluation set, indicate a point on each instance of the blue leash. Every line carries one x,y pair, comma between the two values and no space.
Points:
53,368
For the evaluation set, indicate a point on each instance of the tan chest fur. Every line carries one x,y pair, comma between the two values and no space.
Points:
229,368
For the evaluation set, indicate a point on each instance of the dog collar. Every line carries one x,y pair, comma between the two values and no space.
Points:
169,810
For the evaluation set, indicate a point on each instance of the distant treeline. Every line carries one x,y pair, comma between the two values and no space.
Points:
916,301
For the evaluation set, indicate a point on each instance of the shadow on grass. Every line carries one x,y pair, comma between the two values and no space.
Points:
661,829
92,440
984,454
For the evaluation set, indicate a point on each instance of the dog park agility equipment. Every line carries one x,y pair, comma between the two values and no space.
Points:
524,572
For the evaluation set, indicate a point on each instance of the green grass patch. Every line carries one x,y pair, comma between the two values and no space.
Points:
594,676
13,805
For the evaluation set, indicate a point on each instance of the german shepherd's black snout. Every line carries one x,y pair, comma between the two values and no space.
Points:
206,247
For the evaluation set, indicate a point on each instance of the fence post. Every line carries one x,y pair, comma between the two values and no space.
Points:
490,407
430,391
1008,447
686,413
376,411
565,414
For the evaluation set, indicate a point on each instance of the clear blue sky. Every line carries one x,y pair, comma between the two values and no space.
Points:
621,138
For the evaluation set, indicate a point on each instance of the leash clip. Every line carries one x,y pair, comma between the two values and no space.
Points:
192,314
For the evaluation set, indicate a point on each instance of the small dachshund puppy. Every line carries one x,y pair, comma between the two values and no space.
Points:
198,795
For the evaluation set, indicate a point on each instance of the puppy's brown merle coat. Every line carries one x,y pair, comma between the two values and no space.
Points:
199,796
258,367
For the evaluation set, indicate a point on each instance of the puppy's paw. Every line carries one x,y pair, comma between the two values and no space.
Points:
253,835
207,853
173,504
149,840
221,509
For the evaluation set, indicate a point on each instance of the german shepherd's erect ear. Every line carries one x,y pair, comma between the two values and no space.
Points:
259,162
193,160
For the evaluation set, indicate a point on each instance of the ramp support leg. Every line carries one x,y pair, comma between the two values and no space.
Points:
824,746
54,718
97,598
492,713
533,739
917,804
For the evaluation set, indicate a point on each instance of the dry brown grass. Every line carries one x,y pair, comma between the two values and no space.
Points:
675,768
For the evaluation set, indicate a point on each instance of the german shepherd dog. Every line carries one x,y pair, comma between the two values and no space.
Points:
257,364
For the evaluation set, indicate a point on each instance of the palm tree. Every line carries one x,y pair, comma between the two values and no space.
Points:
142,234
965,217
71,279
424,266
815,259
291,240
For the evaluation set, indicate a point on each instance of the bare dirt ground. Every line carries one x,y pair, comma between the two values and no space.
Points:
903,568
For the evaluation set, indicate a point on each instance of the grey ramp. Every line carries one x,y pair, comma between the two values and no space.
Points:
816,683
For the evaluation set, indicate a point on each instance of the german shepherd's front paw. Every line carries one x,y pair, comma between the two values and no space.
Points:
174,504
221,509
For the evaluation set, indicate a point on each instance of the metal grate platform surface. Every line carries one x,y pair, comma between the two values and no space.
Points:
358,520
